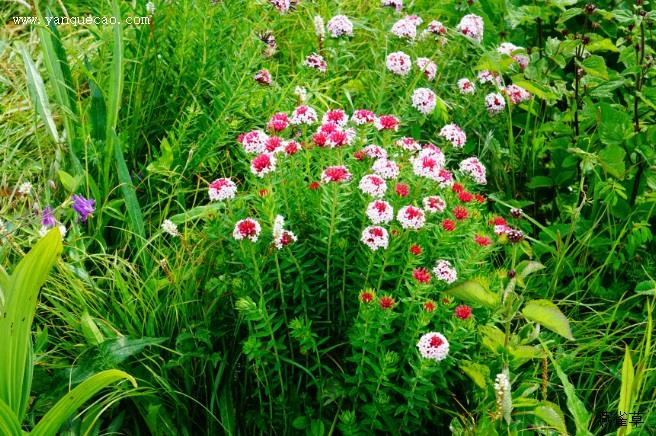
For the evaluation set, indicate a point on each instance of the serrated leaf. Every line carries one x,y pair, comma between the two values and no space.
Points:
472,291
595,66
612,160
547,314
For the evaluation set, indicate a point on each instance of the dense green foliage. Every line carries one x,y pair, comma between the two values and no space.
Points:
237,337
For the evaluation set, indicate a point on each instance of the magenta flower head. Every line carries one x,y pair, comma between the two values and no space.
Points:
84,207
47,218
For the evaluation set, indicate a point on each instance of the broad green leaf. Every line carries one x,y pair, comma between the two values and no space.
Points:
472,291
604,44
38,93
612,160
68,405
574,404
551,414
9,425
477,372
569,14
595,66
21,293
625,404
547,314
492,337
69,182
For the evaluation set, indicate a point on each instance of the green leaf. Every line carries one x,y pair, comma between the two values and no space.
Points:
612,160
625,404
540,182
647,287
569,14
472,291
300,422
547,314
21,293
69,182
38,94
574,404
477,372
604,44
68,405
129,194
551,414
595,66
9,424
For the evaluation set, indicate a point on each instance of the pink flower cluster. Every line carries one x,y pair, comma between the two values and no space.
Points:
424,100
471,26
454,134
433,346
399,63
475,169
428,67
340,25
405,28
445,272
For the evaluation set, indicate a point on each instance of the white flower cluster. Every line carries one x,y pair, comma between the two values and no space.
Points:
475,169
409,144
454,134
375,151
385,168
281,237
471,26
466,86
411,217
380,212
433,346
428,67
517,94
254,141
373,185
444,271
375,237
495,103
304,115
399,63
424,100
340,25
222,189
428,163
170,228
405,28
434,203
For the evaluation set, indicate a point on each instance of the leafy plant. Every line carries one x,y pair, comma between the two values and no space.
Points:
18,297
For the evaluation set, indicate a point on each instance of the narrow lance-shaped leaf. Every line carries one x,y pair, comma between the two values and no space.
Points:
38,94
65,407
21,293
625,404
547,314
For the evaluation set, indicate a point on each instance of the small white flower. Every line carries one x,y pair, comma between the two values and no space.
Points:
319,28
150,8
170,228
25,188
301,93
